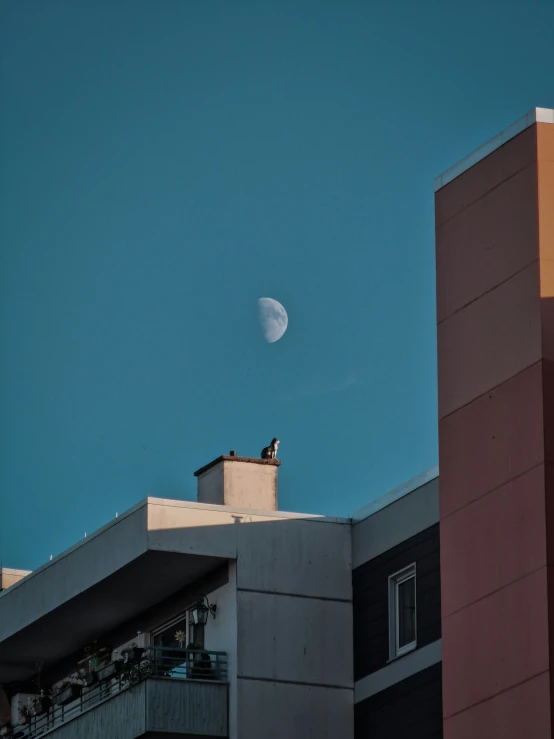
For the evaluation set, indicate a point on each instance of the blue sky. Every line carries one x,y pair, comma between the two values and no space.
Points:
165,164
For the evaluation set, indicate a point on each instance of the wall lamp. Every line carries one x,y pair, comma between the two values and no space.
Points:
201,609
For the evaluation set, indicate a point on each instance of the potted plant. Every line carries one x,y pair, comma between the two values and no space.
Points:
25,714
95,655
91,653
89,677
68,693
132,654
108,671
130,672
199,662
42,704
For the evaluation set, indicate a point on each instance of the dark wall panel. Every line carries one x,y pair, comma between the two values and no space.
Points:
370,594
411,709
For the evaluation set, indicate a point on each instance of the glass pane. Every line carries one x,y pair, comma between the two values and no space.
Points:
406,612
172,663
174,636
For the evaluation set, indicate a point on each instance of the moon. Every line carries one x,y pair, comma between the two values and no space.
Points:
273,319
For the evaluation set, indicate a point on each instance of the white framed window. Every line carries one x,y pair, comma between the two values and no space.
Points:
402,612
174,633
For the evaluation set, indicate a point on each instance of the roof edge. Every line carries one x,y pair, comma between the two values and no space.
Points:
81,543
536,115
393,495
318,517
234,458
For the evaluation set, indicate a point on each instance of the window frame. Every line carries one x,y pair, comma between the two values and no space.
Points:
184,615
395,580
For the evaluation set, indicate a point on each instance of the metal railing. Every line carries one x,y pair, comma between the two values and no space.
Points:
114,677
187,664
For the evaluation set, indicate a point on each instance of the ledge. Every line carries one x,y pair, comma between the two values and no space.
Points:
229,458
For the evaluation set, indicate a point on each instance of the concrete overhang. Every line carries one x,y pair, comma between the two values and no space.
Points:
137,560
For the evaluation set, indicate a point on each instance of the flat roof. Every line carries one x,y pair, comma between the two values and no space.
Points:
234,458
536,115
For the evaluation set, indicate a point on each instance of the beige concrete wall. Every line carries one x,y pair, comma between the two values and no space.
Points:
249,485
288,553
307,557
221,636
277,711
293,618
9,577
239,484
210,485
302,640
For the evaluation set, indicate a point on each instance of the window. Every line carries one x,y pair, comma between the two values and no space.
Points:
402,612
175,634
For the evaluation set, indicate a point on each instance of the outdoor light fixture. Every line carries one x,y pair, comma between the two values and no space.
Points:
201,609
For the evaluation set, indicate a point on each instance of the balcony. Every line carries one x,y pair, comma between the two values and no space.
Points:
162,690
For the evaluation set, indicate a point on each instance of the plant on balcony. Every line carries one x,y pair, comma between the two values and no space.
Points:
91,653
130,672
133,672
42,704
68,693
132,655
25,713
108,671
88,677
200,663
133,666
96,656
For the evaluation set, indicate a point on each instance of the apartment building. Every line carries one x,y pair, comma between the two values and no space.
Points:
427,614
274,657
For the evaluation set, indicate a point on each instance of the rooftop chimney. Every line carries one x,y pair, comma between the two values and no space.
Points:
240,482
10,577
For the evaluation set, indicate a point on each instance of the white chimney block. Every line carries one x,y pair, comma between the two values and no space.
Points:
239,482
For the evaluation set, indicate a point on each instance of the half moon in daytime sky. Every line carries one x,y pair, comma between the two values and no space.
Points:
273,319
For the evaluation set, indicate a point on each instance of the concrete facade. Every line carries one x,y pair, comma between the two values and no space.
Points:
284,613
273,618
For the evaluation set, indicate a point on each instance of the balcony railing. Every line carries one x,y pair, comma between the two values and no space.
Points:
79,696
